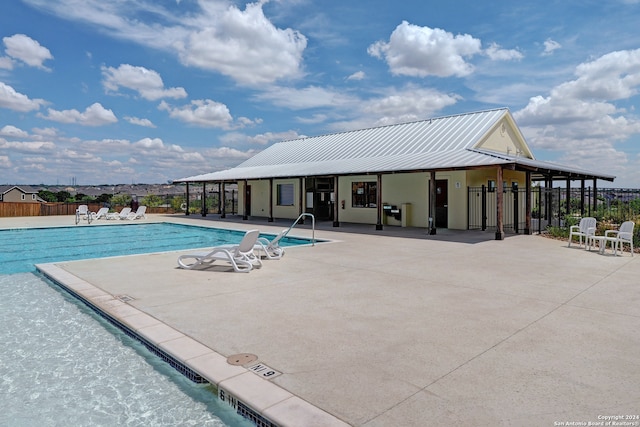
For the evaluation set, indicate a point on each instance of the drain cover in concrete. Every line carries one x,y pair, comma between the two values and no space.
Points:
241,359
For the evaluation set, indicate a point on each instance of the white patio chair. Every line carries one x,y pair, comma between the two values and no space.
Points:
138,214
586,228
124,213
271,248
240,256
102,213
621,236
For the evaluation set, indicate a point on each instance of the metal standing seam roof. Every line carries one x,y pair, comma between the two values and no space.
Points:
435,144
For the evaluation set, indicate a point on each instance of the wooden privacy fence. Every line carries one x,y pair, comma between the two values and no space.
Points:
16,209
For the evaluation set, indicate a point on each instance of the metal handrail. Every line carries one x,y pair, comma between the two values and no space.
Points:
313,227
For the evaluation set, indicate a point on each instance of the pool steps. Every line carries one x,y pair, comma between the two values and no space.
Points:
253,397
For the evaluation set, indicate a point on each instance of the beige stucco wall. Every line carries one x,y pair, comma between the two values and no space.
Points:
397,189
15,195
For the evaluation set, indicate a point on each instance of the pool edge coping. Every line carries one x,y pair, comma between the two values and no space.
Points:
237,386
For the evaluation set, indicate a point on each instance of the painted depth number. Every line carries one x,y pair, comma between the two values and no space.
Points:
264,371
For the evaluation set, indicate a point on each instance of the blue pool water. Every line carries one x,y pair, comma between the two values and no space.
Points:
21,248
61,364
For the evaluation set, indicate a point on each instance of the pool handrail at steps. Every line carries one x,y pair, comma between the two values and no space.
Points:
313,226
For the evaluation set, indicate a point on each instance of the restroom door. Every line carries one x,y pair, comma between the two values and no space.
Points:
442,203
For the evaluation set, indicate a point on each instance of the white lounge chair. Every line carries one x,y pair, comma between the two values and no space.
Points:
139,213
271,249
586,228
124,213
240,256
102,213
619,237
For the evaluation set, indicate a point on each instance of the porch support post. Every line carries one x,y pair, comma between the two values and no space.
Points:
204,199
245,210
223,201
187,211
527,208
582,197
336,220
595,196
432,204
270,219
379,202
302,209
499,205
568,199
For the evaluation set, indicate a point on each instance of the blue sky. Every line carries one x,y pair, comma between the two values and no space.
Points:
146,91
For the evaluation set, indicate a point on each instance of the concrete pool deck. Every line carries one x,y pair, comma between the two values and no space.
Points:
396,328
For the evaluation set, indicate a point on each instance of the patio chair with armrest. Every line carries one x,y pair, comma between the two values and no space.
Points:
585,229
621,236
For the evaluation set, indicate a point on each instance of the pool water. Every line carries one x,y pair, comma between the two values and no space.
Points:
21,248
62,364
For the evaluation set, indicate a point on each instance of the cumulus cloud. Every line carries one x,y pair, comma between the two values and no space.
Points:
550,46
6,63
140,122
409,104
13,132
496,53
242,44
579,116
422,51
245,46
27,50
307,97
94,115
201,112
147,83
16,101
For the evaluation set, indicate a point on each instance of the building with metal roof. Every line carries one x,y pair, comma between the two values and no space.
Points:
409,174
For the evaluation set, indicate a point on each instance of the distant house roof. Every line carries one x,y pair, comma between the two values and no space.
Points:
444,143
27,189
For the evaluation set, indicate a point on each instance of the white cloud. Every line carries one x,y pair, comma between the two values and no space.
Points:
140,122
94,115
5,162
27,146
308,97
13,132
270,137
358,75
27,50
16,101
147,83
496,53
423,51
206,113
579,117
6,63
245,46
409,104
550,46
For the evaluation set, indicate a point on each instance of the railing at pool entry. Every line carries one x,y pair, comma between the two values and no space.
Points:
313,227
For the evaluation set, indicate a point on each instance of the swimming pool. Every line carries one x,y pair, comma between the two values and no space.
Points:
62,364
22,248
